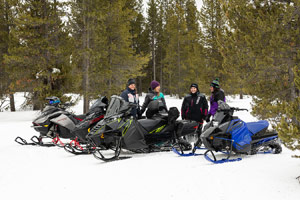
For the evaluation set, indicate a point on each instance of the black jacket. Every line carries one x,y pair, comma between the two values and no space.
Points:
152,96
130,96
194,107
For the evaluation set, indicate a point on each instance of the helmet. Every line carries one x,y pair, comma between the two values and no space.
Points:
53,101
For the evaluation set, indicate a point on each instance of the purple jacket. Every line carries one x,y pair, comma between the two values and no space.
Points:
215,97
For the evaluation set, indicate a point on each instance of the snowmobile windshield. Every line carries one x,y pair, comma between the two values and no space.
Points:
117,106
223,105
100,103
224,111
220,115
49,109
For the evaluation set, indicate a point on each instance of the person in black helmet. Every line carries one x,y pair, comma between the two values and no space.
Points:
194,107
130,95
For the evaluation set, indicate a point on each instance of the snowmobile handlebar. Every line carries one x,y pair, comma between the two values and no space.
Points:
233,109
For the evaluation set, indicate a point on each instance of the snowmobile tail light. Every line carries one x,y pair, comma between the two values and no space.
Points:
211,137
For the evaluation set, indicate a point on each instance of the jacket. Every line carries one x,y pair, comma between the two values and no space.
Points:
130,96
194,107
215,97
151,96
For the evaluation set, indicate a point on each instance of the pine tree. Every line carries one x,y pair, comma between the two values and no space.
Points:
262,42
176,29
195,61
111,48
212,22
120,57
234,47
152,28
40,60
7,16
139,35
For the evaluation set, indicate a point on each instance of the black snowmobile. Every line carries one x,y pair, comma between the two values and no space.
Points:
96,113
228,134
54,122
119,130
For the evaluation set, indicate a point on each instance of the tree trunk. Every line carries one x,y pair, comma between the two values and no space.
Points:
241,94
86,61
12,102
161,69
153,56
154,65
140,91
35,101
11,96
293,95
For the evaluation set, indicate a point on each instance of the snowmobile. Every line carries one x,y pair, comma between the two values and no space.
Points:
96,113
119,130
53,123
229,134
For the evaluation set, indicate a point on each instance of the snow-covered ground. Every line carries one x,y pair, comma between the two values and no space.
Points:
30,172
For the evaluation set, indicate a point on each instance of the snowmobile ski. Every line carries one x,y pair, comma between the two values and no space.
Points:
98,155
69,148
193,153
39,141
224,160
22,141
36,141
186,154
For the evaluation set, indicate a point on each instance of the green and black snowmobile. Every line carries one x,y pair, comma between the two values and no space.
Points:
119,130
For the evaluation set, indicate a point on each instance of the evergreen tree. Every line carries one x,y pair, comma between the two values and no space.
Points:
176,29
139,35
212,22
41,59
195,62
234,47
108,45
262,42
7,16
152,28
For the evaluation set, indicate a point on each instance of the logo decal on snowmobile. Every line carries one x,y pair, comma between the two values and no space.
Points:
158,129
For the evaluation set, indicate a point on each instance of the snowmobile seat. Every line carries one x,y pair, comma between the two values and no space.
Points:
151,124
256,127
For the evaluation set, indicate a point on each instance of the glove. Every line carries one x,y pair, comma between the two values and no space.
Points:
207,119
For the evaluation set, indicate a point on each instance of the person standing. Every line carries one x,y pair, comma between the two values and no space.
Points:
153,94
130,95
194,107
216,94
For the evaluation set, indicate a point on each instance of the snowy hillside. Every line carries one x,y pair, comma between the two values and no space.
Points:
30,172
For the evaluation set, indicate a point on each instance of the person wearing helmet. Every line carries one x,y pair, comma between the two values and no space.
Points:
154,94
130,95
216,94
